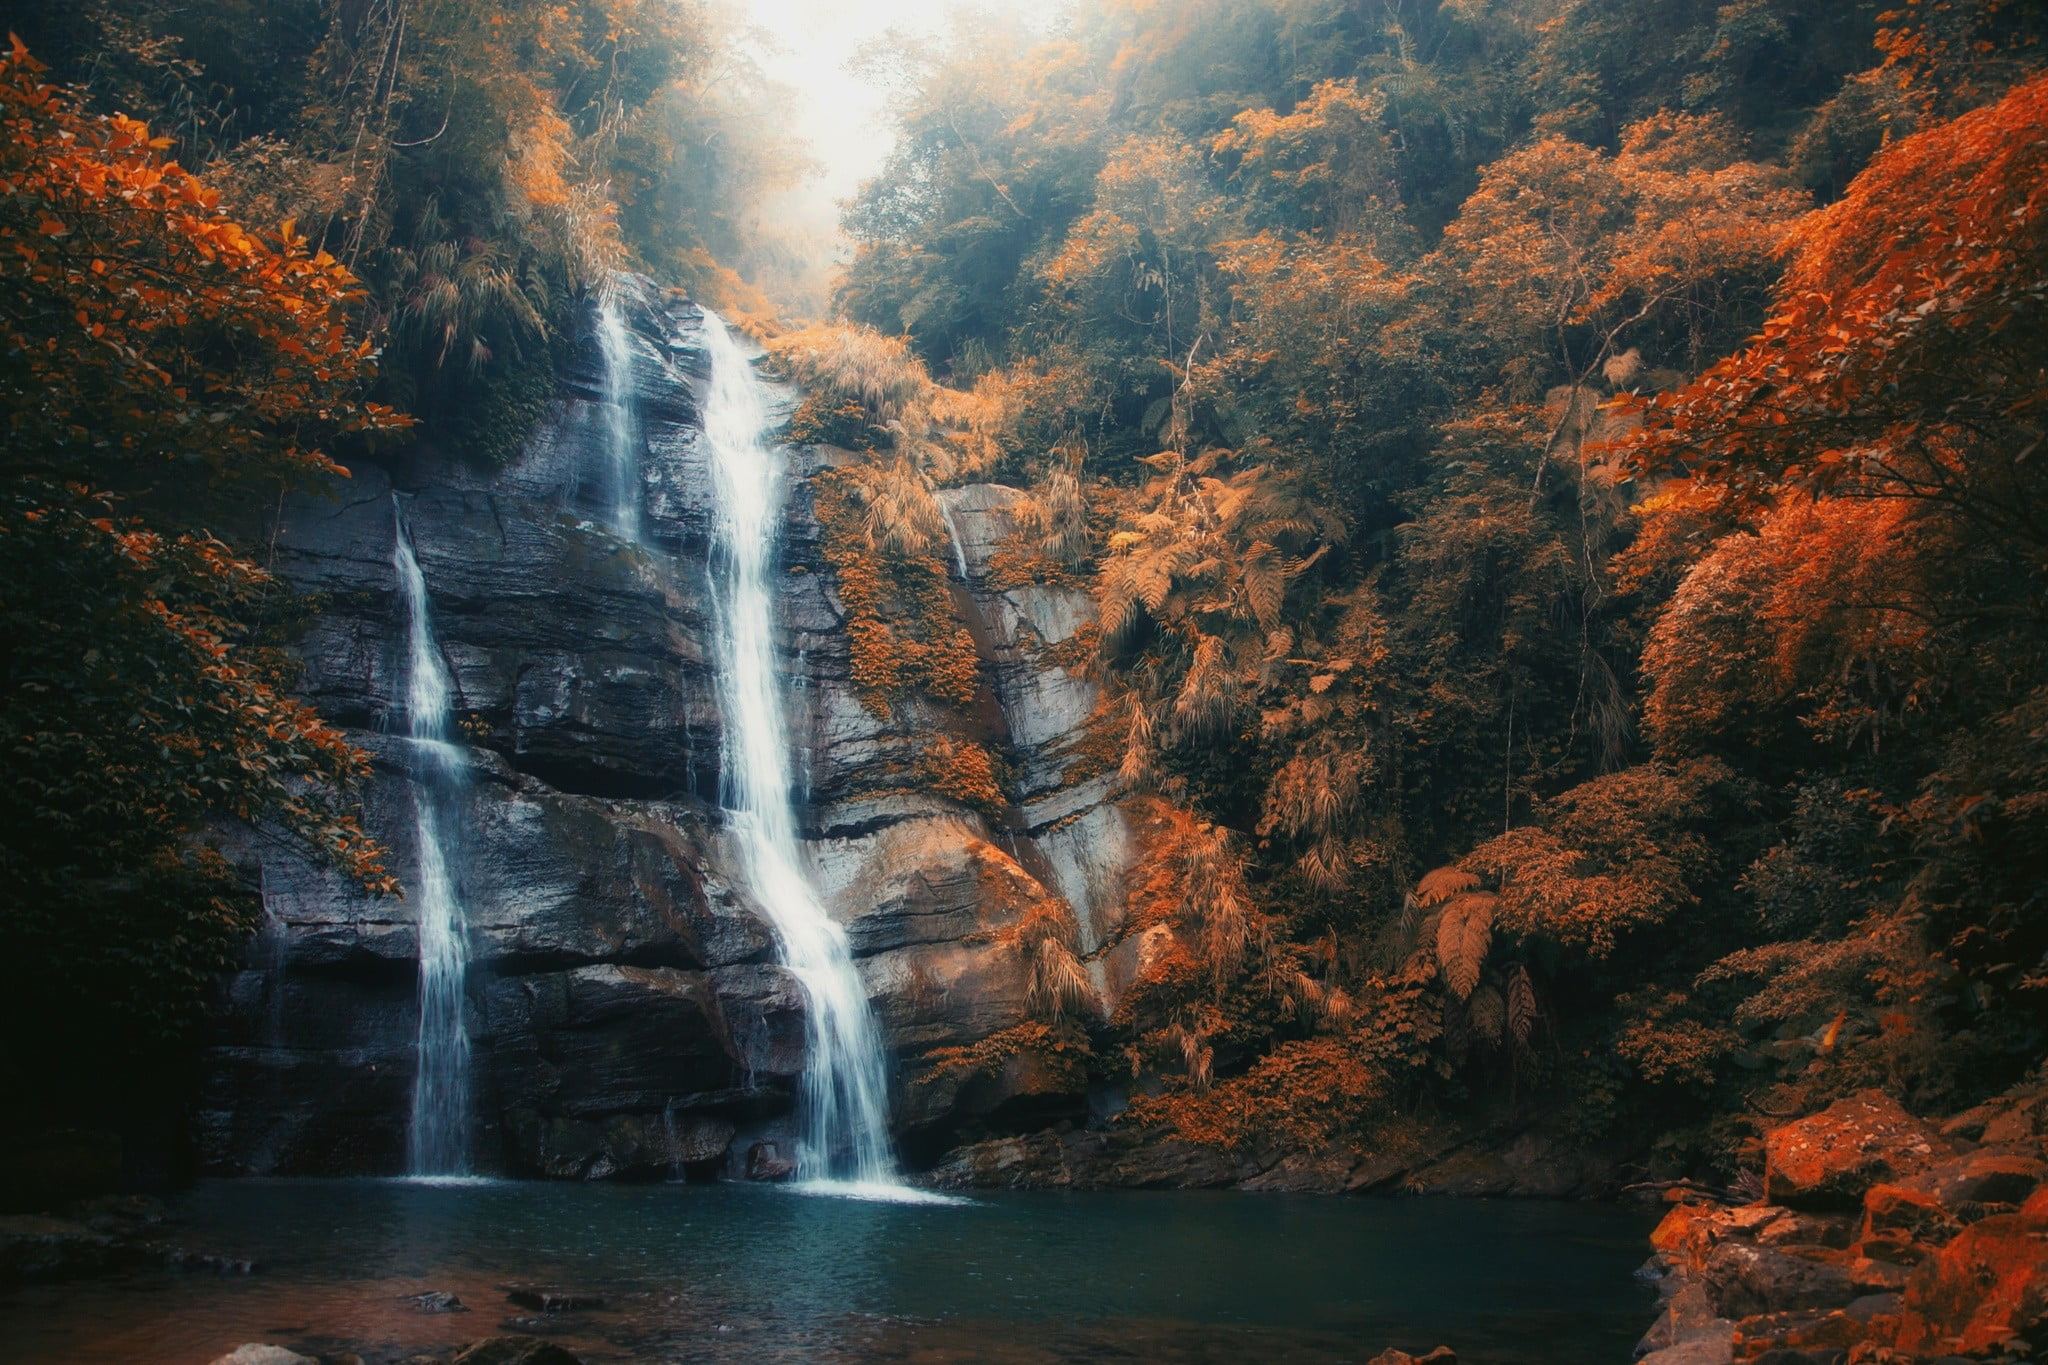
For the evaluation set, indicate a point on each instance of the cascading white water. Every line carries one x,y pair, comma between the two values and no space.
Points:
615,344
438,1144
953,537
845,1112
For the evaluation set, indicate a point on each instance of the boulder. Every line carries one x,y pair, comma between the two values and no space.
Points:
765,1161
1709,1343
1876,1277
1980,1178
260,1353
1829,1159
1692,1229
1903,1210
1743,1280
1989,1284
1688,1316
1793,1228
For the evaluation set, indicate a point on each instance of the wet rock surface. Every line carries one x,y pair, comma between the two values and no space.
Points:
1908,1250
109,1233
625,1014
1829,1159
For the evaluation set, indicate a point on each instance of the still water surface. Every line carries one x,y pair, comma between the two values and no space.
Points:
736,1273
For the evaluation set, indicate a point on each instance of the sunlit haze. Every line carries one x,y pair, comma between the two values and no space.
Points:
808,45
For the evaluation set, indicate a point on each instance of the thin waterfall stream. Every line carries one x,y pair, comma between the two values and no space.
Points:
845,1107
438,1140
615,346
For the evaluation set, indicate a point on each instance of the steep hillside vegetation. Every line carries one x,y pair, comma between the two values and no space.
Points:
1560,483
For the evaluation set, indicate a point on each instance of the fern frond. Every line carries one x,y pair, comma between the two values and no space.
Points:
1136,767
1206,699
1440,885
1464,933
1488,1013
1522,1011
1265,584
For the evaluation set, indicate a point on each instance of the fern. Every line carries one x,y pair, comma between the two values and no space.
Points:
1522,1012
1445,882
1488,1013
1136,768
1464,932
1206,700
1265,584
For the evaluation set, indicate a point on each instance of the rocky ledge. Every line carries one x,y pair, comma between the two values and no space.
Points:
624,1011
114,1232
1879,1237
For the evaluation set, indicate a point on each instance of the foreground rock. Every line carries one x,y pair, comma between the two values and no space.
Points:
113,1232
502,1350
1901,1247
1831,1158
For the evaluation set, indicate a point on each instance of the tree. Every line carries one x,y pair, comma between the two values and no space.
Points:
162,368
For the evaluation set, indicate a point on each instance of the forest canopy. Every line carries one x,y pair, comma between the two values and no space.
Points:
1560,483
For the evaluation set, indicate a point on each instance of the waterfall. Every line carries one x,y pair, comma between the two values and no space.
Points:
953,536
438,1144
615,344
845,1140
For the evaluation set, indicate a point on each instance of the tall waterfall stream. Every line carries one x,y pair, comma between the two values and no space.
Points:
845,1108
615,344
438,1141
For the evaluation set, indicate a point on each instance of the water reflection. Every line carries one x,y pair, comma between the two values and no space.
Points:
763,1274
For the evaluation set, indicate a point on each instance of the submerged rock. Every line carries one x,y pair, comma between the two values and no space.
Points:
542,1299
34,1247
515,1350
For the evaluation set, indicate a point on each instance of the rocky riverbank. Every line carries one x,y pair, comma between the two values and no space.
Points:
98,1236
1877,1237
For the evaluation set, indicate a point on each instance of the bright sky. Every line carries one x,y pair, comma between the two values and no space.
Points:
845,122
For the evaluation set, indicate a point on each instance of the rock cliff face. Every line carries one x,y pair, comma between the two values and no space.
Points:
625,1012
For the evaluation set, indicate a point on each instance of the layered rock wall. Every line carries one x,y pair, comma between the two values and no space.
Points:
625,1011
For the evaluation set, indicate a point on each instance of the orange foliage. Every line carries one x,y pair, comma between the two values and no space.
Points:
1904,356
905,636
1823,611
146,327
156,353
962,771
1610,857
